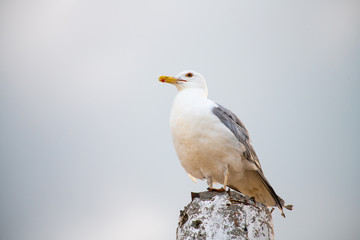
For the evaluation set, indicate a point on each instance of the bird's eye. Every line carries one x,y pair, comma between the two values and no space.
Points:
189,75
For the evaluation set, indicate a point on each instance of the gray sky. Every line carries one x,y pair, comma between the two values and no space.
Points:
85,146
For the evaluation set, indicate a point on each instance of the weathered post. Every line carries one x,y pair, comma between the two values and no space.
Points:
223,215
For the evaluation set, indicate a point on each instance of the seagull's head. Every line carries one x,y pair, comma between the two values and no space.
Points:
187,79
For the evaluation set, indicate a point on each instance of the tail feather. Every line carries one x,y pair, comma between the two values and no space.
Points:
254,184
280,203
289,207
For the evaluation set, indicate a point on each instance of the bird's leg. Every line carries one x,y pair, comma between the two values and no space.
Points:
226,176
210,184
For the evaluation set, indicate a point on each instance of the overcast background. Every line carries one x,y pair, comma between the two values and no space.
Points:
85,146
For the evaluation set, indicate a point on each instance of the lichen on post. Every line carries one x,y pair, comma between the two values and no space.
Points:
224,215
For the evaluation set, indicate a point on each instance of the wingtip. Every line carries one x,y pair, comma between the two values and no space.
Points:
288,207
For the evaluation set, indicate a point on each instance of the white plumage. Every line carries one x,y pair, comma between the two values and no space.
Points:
213,144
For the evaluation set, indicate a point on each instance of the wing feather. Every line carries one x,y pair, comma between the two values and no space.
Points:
233,123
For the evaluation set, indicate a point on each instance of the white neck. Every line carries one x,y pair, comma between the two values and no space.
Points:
195,91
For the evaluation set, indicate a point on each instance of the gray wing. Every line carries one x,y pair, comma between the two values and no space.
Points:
233,123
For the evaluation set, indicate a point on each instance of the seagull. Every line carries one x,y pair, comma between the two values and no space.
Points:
212,143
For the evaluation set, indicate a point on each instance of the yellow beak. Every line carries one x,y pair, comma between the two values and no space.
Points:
168,79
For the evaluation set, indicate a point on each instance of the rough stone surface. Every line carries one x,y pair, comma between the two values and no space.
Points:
217,216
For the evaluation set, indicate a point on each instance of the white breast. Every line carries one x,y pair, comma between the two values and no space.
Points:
203,144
